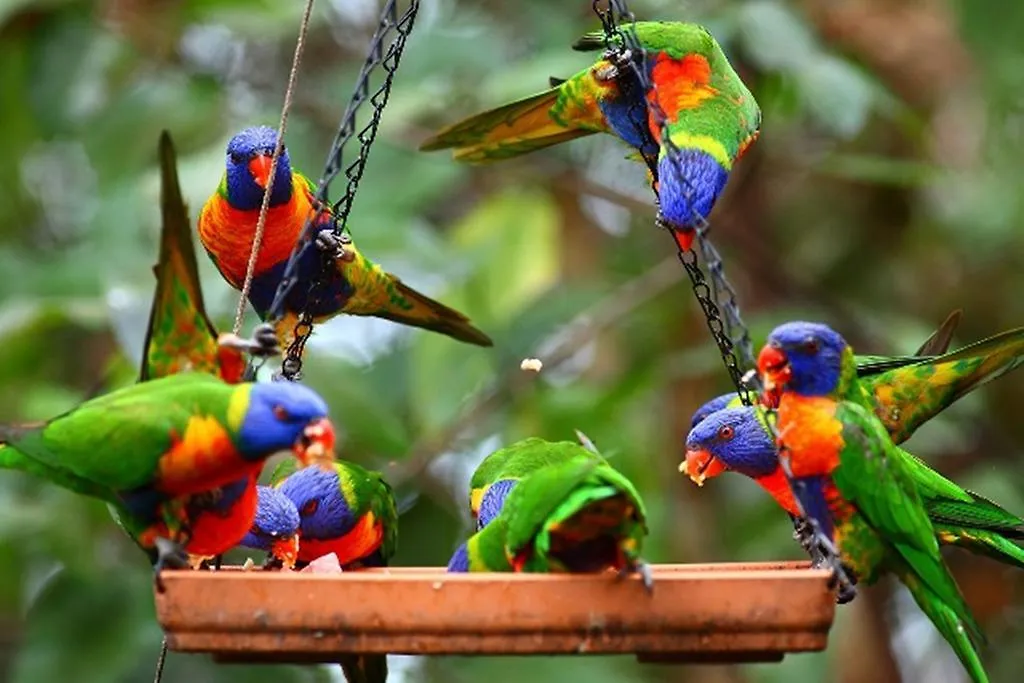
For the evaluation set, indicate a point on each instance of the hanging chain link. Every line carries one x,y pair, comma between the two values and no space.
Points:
388,59
715,294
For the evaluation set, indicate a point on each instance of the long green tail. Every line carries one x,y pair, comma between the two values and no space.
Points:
988,543
365,668
953,627
13,459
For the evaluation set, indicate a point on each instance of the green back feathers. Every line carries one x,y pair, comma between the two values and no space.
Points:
676,38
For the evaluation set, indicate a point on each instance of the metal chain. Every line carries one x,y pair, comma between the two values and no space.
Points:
715,294
388,59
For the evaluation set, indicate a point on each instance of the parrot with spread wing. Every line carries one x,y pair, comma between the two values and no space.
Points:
157,450
851,480
181,337
352,284
349,511
712,118
736,440
573,513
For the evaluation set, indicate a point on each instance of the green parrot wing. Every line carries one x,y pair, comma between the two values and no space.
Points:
906,397
116,441
385,510
179,335
877,482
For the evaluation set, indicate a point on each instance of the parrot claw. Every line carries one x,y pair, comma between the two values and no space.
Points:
643,569
333,244
170,555
263,342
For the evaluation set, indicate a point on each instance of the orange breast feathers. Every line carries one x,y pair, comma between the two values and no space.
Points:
810,434
364,538
217,531
202,458
227,233
680,84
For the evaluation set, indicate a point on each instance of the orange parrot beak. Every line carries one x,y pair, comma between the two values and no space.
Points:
316,444
775,372
259,167
700,466
286,550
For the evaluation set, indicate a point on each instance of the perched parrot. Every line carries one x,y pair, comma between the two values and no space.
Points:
851,479
275,527
575,514
499,472
356,285
736,440
349,511
180,337
346,510
158,450
711,117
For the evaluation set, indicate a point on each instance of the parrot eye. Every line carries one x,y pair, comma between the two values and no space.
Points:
309,508
281,413
810,345
255,530
726,433
237,157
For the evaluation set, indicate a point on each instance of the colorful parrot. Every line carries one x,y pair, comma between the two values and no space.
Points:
356,285
349,511
275,527
736,440
156,450
851,480
180,337
711,116
572,514
499,472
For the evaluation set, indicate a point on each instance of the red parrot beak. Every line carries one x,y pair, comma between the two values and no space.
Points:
700,466
684,238
775,372
316,444
286,550
259,167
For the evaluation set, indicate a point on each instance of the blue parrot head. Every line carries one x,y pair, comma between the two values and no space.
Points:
318,495
248,169
729,439
493,500
712,406
275,527
803,357
281,416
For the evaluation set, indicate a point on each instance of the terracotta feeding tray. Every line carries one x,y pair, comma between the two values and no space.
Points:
697,613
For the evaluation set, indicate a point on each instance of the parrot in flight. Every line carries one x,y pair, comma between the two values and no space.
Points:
158,451
711,117
851,480
572,512
354,285
349,511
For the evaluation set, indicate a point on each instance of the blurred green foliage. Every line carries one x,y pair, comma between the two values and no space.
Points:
883,193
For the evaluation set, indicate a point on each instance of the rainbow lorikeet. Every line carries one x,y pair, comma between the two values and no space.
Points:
851,480
275,527
155,450
354,285
736,440
349,511
181,337
572,514
499,472
712,117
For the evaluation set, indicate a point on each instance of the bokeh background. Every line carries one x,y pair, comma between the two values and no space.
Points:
883,193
